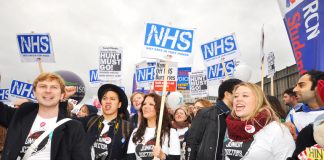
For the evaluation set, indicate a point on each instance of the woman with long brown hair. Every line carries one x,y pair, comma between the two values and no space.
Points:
142,141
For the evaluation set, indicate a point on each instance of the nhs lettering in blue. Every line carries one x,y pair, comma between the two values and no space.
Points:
34,44
145,74
4,94
168,37
22,89
218,47
94,75
216,71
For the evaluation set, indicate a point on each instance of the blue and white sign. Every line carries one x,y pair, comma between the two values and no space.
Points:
225,47
4,94
216,72
168,43
183,78
94,76
34,47
304,22
22,89
145,74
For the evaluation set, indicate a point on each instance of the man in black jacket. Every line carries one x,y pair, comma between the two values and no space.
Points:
31,120
206,135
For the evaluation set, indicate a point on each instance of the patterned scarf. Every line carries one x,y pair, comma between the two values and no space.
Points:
244,130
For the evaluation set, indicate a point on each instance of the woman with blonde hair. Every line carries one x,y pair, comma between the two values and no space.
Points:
200,104
254,130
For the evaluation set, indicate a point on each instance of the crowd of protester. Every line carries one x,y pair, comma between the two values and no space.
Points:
244,123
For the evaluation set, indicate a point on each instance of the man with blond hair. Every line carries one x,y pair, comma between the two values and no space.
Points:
26,124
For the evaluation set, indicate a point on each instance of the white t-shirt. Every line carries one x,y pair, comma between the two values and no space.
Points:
144,150
43,152
301,118
273,142
181,133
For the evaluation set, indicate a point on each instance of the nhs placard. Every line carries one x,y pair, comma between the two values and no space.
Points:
22,89
168,43
94,78
4,94
216,72
33,47
225,47
145,74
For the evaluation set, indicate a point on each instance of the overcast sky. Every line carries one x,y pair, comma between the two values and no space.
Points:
79,27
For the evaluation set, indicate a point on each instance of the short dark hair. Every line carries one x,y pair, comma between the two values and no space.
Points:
228,86
290,92
315,75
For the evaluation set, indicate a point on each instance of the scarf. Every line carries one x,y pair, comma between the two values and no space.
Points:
244,130
179,125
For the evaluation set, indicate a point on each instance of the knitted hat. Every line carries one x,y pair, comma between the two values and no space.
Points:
121,95
319,130
320,89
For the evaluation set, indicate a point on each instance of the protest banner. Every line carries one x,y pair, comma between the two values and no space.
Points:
144,74
171,76
35,47
225,47
22,89
198,84
94,80
303,25
168,43
216,72
110,63
4,94
183,78
271,64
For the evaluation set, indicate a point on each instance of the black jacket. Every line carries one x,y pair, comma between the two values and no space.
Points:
305,139
206,135
68,140
119,140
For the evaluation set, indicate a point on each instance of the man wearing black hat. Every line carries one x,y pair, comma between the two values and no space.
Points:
108,135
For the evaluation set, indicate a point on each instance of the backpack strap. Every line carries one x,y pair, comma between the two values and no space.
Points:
92,121
34,145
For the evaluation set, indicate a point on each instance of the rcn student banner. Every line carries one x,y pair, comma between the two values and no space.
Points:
110,62
224,48
183,78
22,89
198,84
304,22
4,94
171,79
168,43
34,47
144,75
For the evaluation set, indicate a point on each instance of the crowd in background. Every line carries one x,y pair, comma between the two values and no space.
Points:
243,124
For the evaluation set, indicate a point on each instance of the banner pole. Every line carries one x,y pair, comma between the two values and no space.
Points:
158,134
224,69
262,75
272,86
39,61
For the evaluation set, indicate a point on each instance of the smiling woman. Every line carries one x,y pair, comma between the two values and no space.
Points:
142,141
254,130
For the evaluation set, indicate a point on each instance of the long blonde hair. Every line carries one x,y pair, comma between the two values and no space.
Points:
261,103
